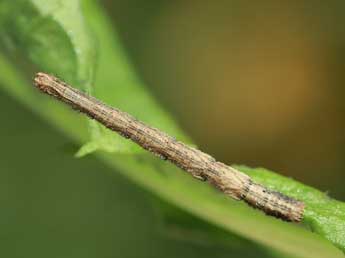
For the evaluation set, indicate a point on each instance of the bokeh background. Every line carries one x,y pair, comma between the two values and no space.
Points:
255,83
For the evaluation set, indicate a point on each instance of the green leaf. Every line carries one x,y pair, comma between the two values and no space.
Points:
322,215
52,36
181,225
56,36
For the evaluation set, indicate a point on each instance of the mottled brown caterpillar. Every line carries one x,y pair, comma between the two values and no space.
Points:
199,164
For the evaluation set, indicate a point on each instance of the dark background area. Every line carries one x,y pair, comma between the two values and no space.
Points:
53,205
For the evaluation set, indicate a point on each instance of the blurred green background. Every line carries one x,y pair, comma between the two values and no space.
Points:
255,83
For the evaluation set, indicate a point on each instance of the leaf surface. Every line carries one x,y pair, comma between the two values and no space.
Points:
57,36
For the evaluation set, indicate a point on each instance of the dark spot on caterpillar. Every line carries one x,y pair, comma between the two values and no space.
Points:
246,190
272,203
